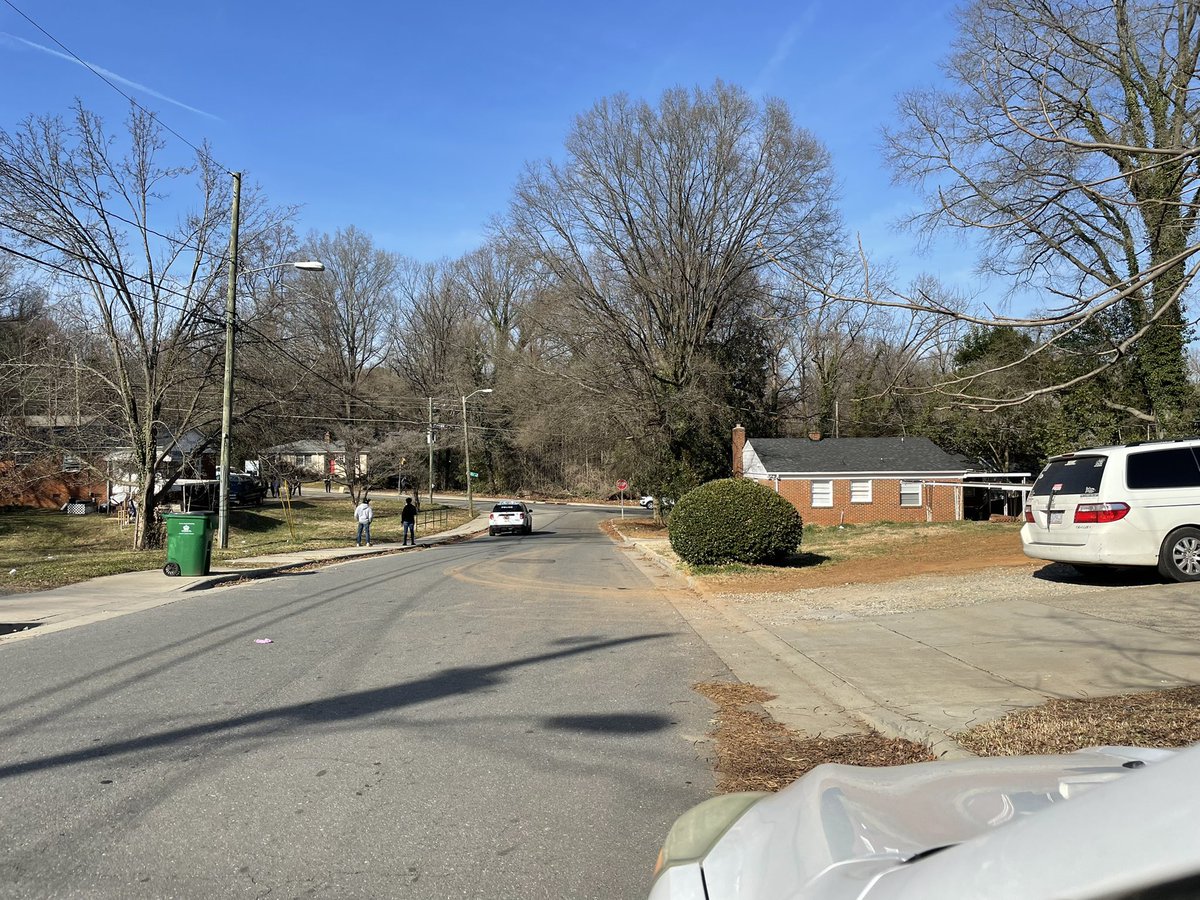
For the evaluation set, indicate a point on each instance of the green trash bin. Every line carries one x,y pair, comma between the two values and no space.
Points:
189,543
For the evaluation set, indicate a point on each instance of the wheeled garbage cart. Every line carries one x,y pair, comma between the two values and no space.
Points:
189,543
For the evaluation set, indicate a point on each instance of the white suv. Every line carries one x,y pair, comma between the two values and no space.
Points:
1136,505
512,516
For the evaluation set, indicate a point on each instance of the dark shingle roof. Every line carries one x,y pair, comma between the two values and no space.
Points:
306,446
891,454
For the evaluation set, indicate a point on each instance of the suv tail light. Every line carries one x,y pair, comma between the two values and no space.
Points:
1099,513
491,517
1028,513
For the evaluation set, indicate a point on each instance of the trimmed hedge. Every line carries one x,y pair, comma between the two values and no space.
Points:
734,520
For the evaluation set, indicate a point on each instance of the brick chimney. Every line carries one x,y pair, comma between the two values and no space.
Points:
739,444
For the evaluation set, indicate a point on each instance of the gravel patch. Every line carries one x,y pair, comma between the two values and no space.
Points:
904,595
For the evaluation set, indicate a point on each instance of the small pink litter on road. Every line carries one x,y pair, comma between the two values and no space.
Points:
263,641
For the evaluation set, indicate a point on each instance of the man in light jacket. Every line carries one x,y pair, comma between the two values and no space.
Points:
363,514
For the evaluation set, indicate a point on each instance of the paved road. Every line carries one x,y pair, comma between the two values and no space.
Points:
504,718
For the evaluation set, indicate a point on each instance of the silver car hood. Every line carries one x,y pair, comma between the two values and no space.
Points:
1084,824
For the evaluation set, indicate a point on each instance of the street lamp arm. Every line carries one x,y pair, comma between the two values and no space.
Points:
307,265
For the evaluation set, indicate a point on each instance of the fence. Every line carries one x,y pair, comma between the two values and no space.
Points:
432,519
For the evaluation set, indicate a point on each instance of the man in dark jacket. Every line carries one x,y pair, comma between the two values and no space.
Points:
408,517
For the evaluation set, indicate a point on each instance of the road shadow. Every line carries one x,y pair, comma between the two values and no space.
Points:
612,723
350,707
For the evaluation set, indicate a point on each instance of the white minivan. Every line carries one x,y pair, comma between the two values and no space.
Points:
1133,505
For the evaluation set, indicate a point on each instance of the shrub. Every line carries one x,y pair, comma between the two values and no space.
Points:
734,520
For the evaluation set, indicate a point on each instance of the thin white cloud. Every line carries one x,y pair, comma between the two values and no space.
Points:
783,49
112,76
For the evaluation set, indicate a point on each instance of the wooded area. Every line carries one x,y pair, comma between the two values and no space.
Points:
679,267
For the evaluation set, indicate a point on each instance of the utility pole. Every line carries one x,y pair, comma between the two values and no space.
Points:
467,461
429,441
227,402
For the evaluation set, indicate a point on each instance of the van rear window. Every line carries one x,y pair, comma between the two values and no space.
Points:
1173,468
1077,475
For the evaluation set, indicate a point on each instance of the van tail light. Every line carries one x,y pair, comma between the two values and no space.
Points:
1099,513
1028,513
491,517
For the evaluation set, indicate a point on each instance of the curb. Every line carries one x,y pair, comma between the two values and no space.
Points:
835,691
269,571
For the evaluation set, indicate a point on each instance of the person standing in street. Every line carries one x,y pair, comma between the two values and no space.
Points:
363,514
408,517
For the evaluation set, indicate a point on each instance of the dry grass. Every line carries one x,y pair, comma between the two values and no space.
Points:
1155,719
46,549
755,753
856,554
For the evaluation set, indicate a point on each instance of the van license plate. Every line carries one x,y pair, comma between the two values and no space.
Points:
1056,517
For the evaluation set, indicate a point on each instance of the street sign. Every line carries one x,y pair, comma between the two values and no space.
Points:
474,474
622,484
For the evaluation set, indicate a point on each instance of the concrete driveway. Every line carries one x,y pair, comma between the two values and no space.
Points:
927,674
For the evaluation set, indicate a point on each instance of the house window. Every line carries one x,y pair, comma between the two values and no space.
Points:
822,494
910,493
72,463
860,491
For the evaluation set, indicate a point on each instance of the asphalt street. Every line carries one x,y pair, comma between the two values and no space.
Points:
506,717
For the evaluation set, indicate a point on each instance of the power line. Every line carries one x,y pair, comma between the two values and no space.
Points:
99,75
81,277
29,176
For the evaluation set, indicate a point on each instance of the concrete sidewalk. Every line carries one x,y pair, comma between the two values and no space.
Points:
116,595
929,674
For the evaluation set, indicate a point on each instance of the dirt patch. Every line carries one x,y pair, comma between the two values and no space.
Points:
634,529
863,554
881,554
1154,719
755,753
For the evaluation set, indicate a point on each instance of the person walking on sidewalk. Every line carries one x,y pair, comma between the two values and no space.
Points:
408,517
363,514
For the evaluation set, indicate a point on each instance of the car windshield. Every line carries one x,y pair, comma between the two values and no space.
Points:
508,507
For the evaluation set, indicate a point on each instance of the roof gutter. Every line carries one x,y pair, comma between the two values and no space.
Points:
924,473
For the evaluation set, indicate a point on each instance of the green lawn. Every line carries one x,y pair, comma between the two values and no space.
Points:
48,548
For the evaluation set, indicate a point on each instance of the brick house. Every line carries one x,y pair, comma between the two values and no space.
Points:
834,481
48,461
52,464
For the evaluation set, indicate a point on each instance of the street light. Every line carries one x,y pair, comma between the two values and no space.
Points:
227,398
467,449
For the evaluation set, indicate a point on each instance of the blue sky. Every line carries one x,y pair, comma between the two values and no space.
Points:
413,121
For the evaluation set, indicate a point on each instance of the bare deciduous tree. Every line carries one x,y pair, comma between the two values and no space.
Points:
344,319
141,282
1069,142
654,227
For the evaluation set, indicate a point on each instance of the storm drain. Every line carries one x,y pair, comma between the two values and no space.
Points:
12,627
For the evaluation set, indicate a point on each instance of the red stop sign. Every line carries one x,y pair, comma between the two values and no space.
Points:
622,484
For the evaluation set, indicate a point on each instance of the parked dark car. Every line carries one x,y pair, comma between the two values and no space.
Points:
245,490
